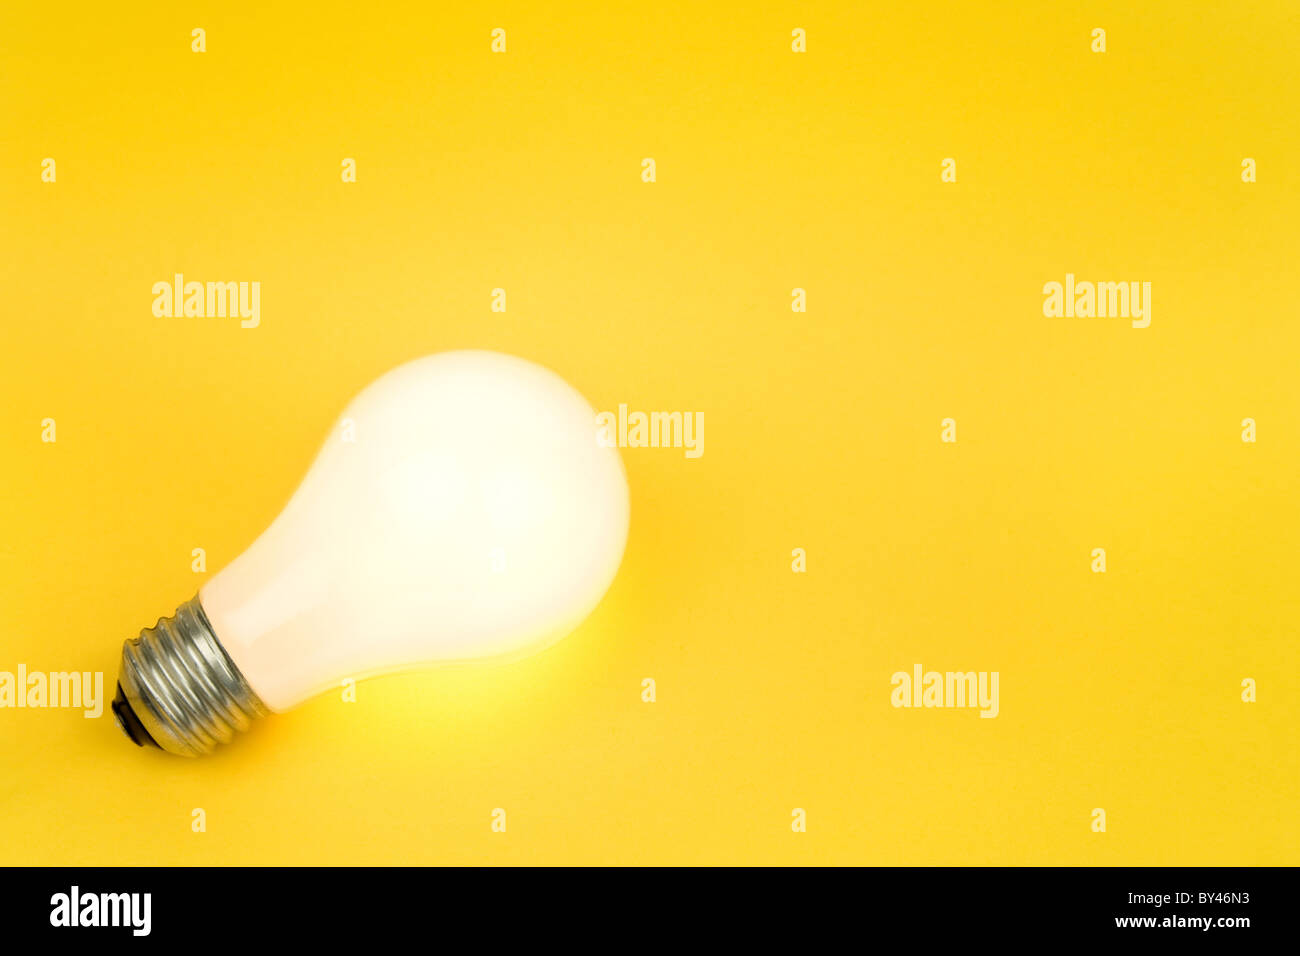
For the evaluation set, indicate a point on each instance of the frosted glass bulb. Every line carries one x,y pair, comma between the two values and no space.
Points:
462,508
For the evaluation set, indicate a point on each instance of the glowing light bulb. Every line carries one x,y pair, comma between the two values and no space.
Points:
461,508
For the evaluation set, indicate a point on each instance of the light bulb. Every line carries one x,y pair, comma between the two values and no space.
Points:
461,508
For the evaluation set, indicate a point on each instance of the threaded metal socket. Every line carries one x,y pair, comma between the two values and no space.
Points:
179,690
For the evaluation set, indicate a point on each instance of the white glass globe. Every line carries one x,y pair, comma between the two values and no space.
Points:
461,508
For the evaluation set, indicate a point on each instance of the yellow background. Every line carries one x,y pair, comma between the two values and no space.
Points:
775,171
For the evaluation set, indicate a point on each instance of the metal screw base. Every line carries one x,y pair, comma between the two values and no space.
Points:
179,690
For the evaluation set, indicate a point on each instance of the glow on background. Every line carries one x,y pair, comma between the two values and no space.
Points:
775,171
